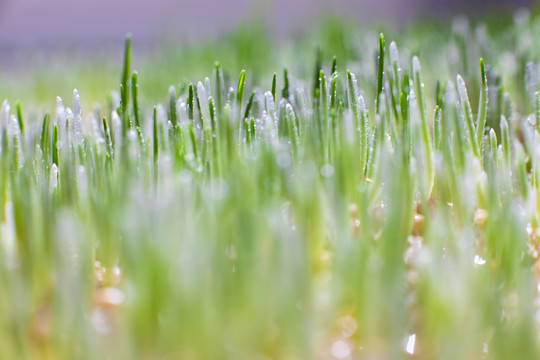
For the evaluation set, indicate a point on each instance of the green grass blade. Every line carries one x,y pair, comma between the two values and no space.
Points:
240,90
274,86
218,88
155,143
173,116
380,72
334,66
505,141
190,101
20,117
426,136
482,107
249,105
467,116
293,132
124,97
285,90
55,146
134,95
357,108
437,128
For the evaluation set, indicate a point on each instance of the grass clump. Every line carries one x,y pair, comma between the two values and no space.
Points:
363,211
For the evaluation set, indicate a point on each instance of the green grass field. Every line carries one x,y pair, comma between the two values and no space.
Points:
348,196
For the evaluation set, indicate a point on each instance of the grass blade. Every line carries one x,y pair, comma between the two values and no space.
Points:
482,107
467,116
380,72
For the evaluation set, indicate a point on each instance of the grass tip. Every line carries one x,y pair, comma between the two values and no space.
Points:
415,64
483,71
394,54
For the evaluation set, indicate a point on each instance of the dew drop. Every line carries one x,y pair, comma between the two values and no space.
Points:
340,349
410,343
478,261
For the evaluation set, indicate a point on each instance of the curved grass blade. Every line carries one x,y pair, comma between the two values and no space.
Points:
249,105
285,90
467,116
334,66
240,90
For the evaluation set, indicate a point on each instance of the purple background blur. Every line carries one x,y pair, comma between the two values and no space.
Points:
27,23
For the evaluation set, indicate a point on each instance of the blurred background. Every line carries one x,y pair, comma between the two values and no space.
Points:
47,48
26,23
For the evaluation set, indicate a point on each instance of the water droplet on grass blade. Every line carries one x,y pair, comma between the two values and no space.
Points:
450,96
203,100
92,127
76,127
269,102
53,179
117,128
60,115
181,109
462,89
207,87
341,349
478,261
410,343
14,134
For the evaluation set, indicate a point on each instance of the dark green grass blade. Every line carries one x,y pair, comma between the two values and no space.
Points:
285,90
274,86
20,117
134,95
380,72
124,95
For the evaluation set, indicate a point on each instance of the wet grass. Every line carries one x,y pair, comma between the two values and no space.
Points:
381,203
